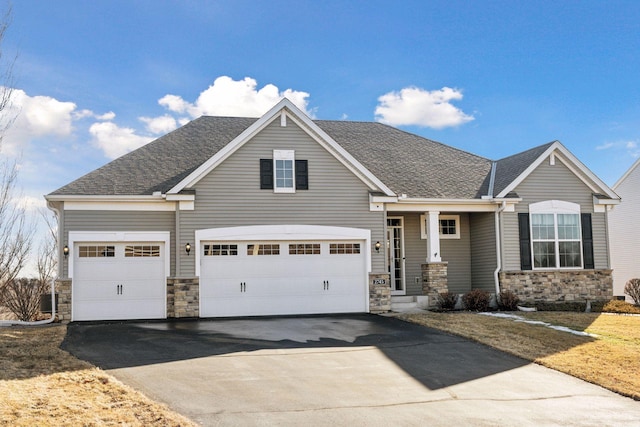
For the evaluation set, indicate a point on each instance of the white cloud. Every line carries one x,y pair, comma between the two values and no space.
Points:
160,125
630,146
605,146
106,116
30,203
115,141
242,98
415,106
36,116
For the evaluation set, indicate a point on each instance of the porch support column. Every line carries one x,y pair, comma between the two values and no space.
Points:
433,236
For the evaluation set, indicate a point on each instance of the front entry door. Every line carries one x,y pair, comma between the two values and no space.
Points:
395,250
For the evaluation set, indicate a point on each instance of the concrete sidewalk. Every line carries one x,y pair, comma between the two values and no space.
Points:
356,370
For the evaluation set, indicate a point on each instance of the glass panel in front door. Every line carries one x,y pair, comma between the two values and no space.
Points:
395,252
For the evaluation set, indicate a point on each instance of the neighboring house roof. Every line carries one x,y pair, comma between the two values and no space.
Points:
626,174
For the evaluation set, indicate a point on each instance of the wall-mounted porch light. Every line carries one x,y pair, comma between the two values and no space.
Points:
377,246
187,248
65,251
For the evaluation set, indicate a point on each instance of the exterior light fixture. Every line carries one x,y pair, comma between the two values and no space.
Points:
187,248
65,251
377,246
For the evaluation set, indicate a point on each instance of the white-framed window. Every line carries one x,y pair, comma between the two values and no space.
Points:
263,249
220,250
556,236
284,171
448,226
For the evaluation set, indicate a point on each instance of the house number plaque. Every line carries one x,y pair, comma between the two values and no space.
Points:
379,281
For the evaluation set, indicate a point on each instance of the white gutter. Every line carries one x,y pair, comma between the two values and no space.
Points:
498,249
38,322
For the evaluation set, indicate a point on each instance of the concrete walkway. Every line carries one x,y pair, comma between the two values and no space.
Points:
352,370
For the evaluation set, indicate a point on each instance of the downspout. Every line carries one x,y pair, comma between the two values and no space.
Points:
498,249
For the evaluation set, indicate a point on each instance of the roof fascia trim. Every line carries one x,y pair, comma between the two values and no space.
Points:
626,174
342,155
571,162
106,198
230,148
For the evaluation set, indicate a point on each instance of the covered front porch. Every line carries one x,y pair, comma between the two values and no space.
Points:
433,249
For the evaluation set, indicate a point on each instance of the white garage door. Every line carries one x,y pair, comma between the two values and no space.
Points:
116,281
239,278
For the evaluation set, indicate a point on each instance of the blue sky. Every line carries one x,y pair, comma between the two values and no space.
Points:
95,79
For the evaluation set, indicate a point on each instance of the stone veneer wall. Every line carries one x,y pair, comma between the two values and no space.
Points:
183,297
63,289
559,286
379,293
434,280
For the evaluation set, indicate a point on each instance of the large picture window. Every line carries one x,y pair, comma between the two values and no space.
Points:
556,235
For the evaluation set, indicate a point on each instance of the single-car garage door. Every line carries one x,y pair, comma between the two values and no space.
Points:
115,281
247,278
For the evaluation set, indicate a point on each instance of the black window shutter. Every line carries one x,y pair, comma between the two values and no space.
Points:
525,242
302,175
266,174
587,241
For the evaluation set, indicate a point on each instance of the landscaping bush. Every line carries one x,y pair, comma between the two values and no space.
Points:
447,301
575,306
632,288
617,306
476,300
22,297
508,301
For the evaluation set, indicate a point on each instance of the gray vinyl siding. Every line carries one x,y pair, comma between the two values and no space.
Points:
483,250
624,231
230,195
457,252
552,183
120,221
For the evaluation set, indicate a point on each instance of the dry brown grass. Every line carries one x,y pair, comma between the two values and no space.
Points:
45,386
612,360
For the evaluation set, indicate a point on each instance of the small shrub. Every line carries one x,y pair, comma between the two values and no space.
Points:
508,301
22,297
632,288
573,306
617,306
447,300
476,300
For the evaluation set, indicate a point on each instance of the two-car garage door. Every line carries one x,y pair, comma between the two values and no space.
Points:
239,278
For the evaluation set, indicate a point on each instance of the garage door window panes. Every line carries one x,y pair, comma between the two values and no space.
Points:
263,249
304,249
141,251
344,248
220,250
97,251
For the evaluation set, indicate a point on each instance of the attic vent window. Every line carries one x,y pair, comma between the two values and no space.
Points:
283,173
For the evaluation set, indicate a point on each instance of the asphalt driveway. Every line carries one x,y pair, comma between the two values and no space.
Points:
345,370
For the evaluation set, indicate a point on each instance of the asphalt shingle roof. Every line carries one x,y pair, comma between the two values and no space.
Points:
406,163
509,168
